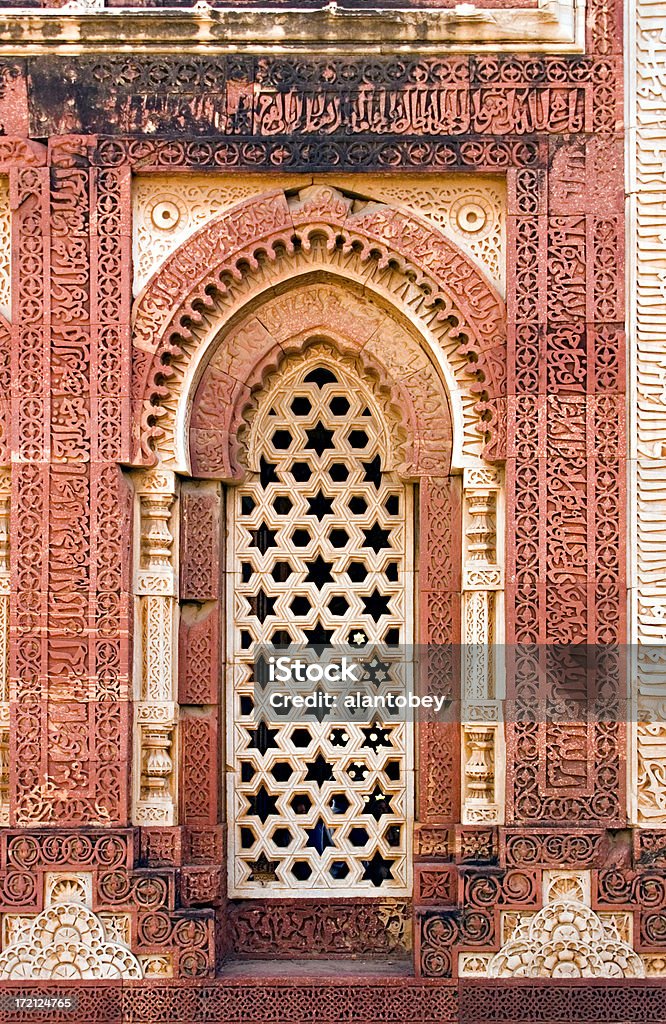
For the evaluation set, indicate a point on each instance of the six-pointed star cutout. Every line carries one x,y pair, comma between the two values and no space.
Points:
373,472
376,605
320,439
262,869
262,738
319,771
263,538
320,506
318,637
377,870
376,538
319,572
320,837
262,803
261,605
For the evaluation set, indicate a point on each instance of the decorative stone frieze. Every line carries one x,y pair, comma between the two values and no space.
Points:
155,710
558,28
647,278
5,249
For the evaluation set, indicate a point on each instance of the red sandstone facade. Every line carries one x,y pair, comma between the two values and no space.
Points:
84,386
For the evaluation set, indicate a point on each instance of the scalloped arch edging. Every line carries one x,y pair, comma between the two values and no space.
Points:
183,296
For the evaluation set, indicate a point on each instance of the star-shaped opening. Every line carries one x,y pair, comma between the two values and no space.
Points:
262,804
263,538
373,472
377,804
262,869
320,506
318,637
378,870
260,671
262,738
376,538
319,572
320,837
375,605
320,439
261,605
319,771
376,737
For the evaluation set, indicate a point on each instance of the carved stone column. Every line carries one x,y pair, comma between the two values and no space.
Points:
156,710
5,490
482,585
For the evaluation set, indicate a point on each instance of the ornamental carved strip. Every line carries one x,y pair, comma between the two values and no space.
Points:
201,568
249,100
282,929
565,476
395,1001
76,739
648,546
70,711
29,371
440,518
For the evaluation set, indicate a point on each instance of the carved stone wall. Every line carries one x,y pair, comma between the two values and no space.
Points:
536,389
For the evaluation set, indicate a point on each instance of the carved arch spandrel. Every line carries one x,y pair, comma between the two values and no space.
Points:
235,256
246,356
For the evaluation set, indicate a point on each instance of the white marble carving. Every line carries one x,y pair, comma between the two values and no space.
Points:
646,82
155,713
5,249
67,940
482,746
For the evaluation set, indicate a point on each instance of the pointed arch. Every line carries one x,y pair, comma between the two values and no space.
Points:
260,244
